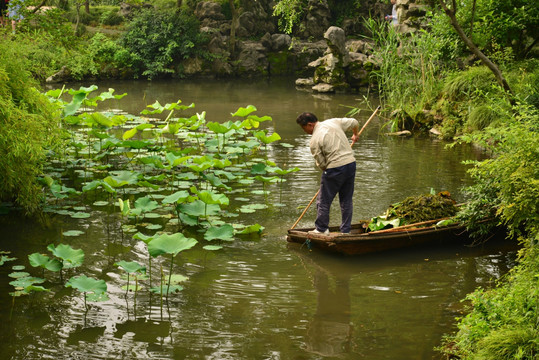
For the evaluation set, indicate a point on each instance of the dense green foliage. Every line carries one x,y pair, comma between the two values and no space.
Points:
28,126
290,13
158,40
501,28
429,77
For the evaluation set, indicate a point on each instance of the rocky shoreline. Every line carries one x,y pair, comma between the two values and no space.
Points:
324,58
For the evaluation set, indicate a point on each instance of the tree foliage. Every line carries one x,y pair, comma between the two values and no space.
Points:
28,128
159,39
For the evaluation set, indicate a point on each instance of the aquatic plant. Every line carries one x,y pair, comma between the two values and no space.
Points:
171,244
92,289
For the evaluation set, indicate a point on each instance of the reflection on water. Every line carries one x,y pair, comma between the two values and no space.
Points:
259,299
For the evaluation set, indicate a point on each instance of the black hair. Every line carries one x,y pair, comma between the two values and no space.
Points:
305,118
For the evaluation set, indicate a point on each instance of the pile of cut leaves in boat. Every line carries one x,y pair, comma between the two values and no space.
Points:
417,209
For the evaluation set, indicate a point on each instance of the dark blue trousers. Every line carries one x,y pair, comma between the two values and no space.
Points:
339,180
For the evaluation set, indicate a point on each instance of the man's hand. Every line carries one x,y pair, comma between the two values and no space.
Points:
355,137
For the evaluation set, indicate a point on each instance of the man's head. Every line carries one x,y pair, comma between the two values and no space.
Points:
307,122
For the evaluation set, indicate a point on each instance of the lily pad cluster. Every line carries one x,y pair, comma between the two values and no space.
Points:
160,169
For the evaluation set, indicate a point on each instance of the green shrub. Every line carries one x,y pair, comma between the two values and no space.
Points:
160,40
502,323
28,127
111,18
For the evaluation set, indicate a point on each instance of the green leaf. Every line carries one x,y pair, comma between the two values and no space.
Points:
171,289
87,284
199,208
142,237
261,135
40,260
4,259
212,247
145,204
176,279
71,258
225,232
177,197
170,244
129,133
256,228
243,112
131,267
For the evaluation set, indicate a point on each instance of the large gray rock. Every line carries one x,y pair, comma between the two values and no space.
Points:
209,10
252,59
336,41
316,21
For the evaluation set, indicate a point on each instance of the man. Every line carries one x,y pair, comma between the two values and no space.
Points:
334,156
393,17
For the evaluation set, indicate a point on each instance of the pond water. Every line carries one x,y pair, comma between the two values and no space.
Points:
259,297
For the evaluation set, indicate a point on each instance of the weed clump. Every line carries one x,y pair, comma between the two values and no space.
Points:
420,208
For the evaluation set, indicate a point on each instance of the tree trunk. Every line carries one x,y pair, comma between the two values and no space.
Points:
484,59
87,6
36,9
179,4
233,25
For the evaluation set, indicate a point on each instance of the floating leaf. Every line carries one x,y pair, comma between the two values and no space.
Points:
100,203
145,204
19,274
4,259
256,228
73,233
198,208
212,247
176,279
171,289
80,215
225,232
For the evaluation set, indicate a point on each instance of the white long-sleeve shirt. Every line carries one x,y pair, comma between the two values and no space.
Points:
329,143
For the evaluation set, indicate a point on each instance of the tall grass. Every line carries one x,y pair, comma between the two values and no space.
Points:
410,71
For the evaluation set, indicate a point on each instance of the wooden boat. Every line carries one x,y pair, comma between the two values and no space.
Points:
359,241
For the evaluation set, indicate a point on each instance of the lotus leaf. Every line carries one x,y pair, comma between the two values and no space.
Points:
261,135
40,260
4,259
71,258
243,112
199,208
18,274
145,204
131,267
177,197
24,282
87,284
256,228
225,232
209,197
175,279
166,290
170,244
212,247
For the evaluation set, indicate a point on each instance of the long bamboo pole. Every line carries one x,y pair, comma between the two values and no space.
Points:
315,195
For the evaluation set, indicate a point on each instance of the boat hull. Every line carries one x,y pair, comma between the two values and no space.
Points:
360,242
